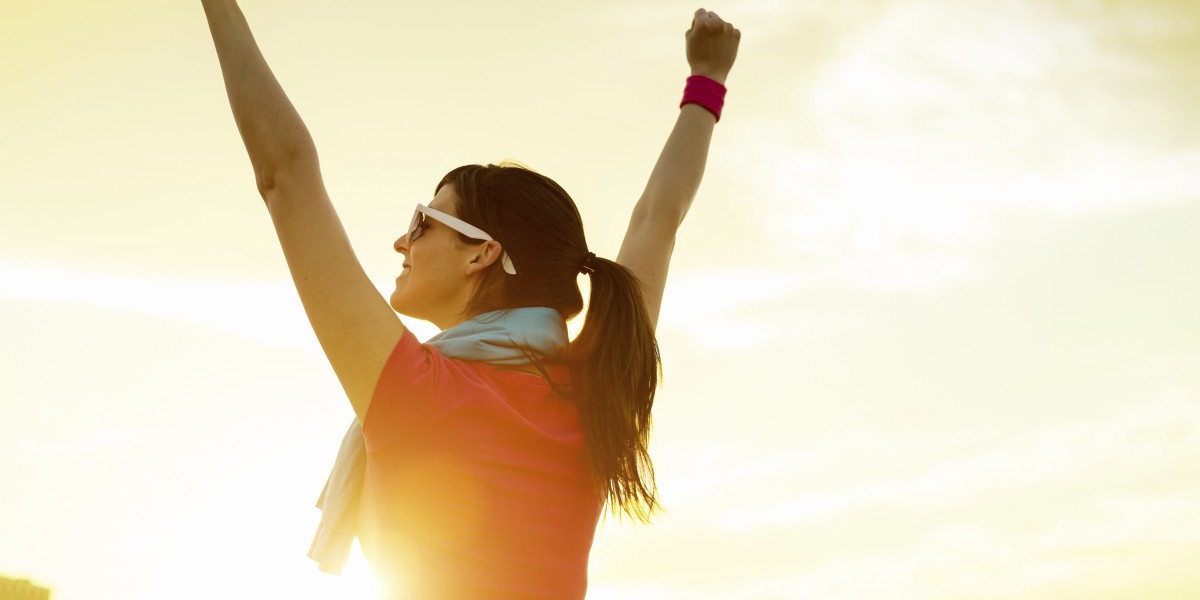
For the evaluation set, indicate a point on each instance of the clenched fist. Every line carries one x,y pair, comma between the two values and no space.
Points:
712,45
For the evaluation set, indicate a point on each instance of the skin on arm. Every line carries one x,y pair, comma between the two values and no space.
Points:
650,238
354,323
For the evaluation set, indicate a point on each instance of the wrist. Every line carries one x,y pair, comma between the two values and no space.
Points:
705,91
713,75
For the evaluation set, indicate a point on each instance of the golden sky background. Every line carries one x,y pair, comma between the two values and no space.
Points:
930,330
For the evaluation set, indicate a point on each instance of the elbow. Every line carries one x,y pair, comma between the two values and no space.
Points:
265,180
269,173
662,214
268,182
658,227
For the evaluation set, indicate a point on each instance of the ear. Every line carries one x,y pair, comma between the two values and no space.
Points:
483,256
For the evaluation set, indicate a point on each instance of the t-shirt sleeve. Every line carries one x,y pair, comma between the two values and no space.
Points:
415,387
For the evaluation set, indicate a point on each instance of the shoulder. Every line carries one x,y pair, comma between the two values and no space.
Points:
559,372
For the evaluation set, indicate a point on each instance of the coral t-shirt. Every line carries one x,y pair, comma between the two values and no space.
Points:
477,482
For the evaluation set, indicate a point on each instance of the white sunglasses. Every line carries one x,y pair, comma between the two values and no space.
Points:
417,227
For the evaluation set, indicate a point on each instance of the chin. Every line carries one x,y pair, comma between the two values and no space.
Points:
401,308
396,306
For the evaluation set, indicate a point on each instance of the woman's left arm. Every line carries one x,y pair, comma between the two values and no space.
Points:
355,325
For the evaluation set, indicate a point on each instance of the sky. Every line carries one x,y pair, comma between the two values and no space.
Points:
929,332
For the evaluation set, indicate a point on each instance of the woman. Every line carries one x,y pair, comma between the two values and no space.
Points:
481,460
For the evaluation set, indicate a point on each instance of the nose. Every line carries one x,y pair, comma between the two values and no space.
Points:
401,244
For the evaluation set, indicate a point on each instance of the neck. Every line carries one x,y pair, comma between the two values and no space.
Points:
449,318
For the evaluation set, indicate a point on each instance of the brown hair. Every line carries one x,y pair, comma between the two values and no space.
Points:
614,361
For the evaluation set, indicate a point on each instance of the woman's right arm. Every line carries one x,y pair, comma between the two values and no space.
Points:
275,137
650,239
352,320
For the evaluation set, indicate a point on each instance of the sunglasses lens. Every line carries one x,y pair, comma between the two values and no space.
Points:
414,228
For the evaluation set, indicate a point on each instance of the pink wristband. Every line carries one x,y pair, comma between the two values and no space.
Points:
705,92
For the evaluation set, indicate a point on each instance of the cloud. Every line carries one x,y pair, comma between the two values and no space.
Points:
693,297
758,17
712,472
720,309
1114,543
263,312
637,590
1120,521
932,123
1157,433
87,443
1123,545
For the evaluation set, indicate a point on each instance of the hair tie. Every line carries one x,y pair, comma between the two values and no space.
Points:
585,266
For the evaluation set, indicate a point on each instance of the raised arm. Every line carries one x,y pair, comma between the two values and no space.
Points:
354,324
274,135
650,239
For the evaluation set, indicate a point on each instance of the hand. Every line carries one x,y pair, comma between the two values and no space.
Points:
711,45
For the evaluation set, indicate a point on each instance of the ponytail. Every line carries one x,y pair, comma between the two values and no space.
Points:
614,361
615,368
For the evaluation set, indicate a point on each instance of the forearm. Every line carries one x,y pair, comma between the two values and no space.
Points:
676,177
270,127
